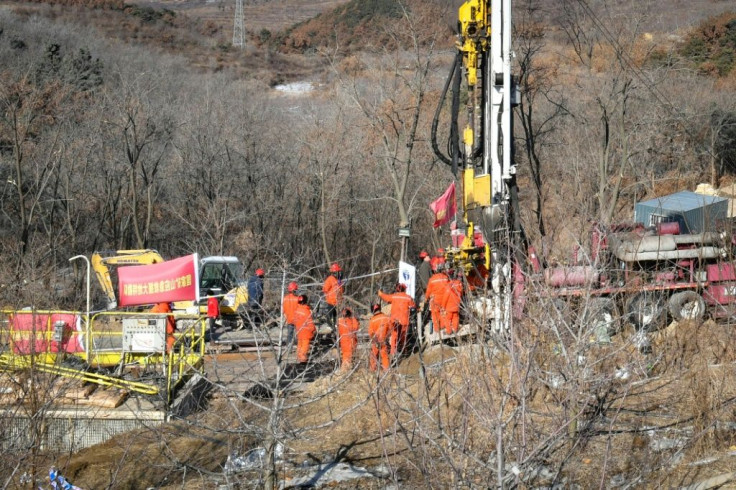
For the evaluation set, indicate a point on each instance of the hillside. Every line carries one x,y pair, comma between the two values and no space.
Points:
202,32
365,26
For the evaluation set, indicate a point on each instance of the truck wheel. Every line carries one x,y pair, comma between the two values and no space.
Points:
687,305
646,310
601,317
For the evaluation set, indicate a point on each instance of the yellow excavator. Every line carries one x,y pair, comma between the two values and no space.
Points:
219,276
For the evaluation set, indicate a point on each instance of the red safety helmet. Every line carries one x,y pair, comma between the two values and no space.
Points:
335,267
347,312
376,308
400,287
302,299
423,254
292,286
260,272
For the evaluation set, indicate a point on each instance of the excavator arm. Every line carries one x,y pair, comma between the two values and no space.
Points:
101,262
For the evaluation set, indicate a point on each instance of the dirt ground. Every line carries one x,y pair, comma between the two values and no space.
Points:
659,419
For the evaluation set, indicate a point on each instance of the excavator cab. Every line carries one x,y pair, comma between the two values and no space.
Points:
218,275
221,277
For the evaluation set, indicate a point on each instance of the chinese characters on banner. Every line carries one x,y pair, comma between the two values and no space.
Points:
166,282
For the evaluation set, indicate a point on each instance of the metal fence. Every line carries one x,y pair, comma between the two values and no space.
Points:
67,430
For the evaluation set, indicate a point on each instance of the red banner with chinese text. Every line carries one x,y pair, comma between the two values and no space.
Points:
173,280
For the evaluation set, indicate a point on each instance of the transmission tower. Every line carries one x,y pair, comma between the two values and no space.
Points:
238,28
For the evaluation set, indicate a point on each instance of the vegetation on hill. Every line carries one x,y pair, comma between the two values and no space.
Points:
712,45
360,25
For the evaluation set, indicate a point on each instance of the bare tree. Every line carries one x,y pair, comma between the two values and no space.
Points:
141,127
395,112
541,104
25,111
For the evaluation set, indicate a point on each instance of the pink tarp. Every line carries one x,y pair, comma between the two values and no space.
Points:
34,333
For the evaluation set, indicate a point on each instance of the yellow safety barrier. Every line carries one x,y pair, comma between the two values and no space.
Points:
35,342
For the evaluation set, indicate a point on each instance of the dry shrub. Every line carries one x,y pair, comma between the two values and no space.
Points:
210,28
642,48
352,65
673,183
697,381
682,344
690,356
604,57
727,83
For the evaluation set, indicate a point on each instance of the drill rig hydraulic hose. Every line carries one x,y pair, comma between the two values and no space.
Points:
453,147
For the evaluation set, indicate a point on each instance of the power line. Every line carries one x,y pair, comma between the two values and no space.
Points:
239,25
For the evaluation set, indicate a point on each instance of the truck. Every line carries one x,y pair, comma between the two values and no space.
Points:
639,273
644,275
219,276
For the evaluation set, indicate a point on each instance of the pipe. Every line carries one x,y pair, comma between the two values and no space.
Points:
691,253
660,243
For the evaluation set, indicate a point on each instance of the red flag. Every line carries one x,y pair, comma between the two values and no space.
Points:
444,207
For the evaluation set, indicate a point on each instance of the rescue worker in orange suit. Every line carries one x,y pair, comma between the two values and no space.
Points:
434,296
170,324
401,306
450,317
347,330
438,260
380,331
289,304
305,330
333,291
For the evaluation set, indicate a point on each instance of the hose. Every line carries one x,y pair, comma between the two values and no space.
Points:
452,143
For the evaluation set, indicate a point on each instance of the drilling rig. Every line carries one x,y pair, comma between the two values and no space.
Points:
488,244
641,273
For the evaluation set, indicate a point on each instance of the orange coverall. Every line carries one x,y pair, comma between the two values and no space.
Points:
401,303
305,331
380,330
347,329
333,290
170,324
436,288
450,318
290,302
